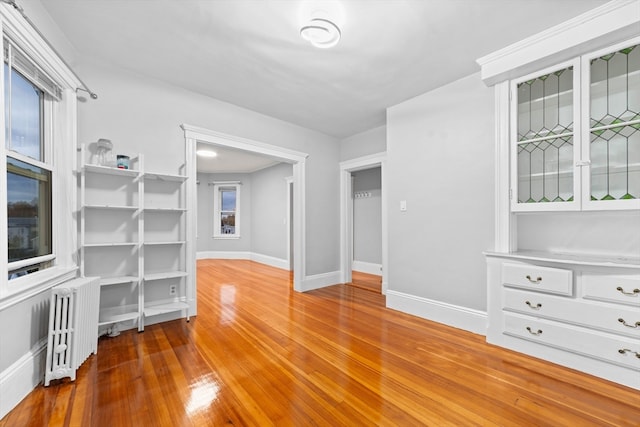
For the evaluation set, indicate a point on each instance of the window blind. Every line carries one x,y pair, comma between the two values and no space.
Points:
20,62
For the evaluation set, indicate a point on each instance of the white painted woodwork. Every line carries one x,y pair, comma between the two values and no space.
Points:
346,214
580,329
526,276
132,236
576,309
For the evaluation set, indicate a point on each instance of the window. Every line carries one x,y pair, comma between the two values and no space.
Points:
29,171
226,207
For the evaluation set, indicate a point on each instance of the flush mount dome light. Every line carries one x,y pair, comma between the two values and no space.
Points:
206,153
321,33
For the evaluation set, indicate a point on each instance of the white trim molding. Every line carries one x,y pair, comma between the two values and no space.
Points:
252,256
610,23
346,214
323,280
367,267
19,379
456,316
223,255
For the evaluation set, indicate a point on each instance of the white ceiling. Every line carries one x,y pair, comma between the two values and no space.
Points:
249,52
229,160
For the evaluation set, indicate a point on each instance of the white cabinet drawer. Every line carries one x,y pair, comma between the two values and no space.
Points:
619,350
617,288
607,317
553,280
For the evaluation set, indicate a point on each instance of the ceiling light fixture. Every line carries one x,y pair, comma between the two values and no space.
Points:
321,33
206,153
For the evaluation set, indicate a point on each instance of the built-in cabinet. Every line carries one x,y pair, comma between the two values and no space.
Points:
568,139
575,133
578,311
132,236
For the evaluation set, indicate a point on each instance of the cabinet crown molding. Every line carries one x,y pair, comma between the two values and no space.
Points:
610,23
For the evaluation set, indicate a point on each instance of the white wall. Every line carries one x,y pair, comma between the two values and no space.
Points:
372,141
269,211
440,149
612,233
367,217
142,115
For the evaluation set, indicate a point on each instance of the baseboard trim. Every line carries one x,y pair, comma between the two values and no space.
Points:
223,255
270,260
449,314
318,281
262,259
367,267
19,379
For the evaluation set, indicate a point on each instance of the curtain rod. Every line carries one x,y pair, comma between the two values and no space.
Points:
84,87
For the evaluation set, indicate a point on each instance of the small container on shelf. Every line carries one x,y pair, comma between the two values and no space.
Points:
122,161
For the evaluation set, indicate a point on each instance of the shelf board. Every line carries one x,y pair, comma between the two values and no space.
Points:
104,245
165,210
156,309
107,281
172,242
109,318
165,177
165,275
110,171
115,207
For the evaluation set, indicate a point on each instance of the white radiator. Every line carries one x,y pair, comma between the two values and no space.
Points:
73,327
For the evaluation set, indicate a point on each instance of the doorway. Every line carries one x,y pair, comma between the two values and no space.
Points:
193,135
347,169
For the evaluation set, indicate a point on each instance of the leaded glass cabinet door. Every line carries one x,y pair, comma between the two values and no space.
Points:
611,101
545,140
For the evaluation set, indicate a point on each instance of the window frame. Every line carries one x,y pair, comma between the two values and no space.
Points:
218,187
59,153
46,163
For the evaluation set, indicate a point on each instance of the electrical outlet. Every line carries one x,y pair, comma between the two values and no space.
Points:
173,289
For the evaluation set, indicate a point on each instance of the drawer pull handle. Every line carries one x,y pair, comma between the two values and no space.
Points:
621,320
626,350
538,306
538,332
537,280
633,293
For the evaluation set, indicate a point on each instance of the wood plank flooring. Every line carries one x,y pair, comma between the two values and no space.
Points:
260,354
370,282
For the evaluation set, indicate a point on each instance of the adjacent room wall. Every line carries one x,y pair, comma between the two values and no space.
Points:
269,220
440,160
367,221
263,216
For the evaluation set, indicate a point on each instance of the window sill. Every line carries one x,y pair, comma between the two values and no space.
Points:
22,288
226,237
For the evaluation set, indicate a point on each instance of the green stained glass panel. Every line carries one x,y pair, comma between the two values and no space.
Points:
615,134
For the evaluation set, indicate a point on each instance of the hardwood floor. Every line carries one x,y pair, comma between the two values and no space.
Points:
259,354
370,282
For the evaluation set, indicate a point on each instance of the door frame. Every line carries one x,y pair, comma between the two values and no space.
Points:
193,135
346,214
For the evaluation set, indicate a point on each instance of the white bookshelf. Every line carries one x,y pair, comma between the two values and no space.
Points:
132,236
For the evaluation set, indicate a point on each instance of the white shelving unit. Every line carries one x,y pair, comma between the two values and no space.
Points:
110,238
163,251
132,236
